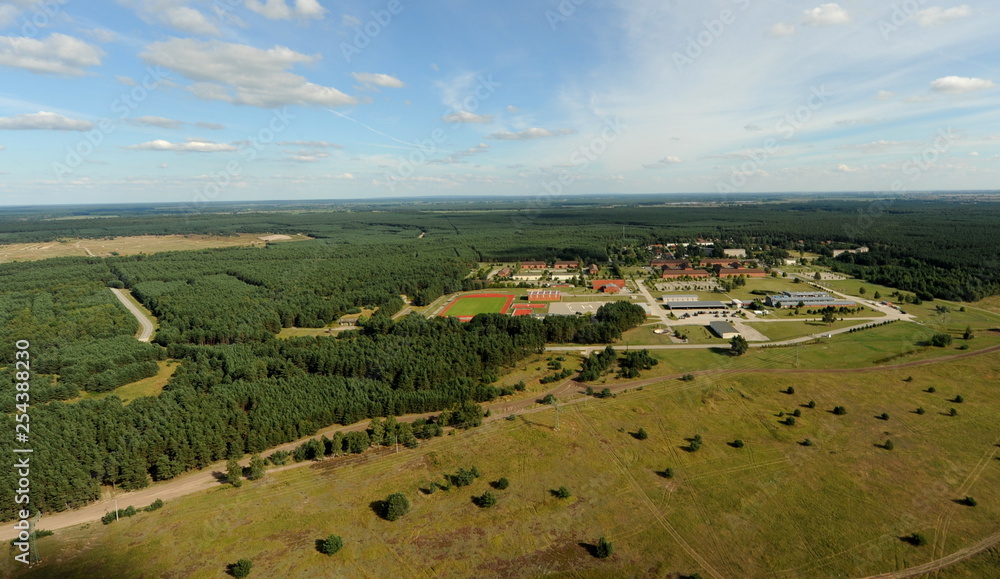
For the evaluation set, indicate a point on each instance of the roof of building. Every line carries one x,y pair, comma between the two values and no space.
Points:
603,282
723,328
695,305
680,298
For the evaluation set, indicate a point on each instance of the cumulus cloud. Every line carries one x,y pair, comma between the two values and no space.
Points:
176,14
2,148
842,168
781,29
43,121
127,81
280,10
210,126
829,14
243,75
529,134
877,146
467,117
513,109
665,162
371,79
55,54
936,15
960,84
188,146
151,121
884,95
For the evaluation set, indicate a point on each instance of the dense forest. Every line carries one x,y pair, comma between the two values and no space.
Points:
240,390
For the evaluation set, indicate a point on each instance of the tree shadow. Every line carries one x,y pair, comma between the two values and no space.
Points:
964,502
805,443
320,543
880,417
734,444
670,475
912,539
637,436
591,549
379,508
220,477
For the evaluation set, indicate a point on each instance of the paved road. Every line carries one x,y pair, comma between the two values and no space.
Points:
653,306
145,326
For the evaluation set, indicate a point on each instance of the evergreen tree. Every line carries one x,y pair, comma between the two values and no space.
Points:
256,467
604,549
395,506
332,544
234,473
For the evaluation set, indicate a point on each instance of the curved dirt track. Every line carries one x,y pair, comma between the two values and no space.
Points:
211,475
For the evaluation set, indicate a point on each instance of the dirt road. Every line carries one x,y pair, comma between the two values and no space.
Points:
145,326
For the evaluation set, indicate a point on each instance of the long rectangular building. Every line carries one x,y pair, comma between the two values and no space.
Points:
808,300
707,305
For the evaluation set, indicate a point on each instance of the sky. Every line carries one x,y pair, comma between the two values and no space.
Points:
196,101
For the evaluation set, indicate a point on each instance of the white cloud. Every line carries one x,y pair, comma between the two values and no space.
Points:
43,121
280,10
877,146
513,109
8,15
56,54
173,13
2,148
467,117
974,154
103,35
781,29
459,156
348,20
189,146
125,80
210,126
243,75
306,156
665,162
960,84
753,128
842,168
829,14
151,121
311,144
884,95
528,134
371,79
936,15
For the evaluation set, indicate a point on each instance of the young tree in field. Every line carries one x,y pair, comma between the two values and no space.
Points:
812,404
967,335
888,445
739,346
604,549
256,467
959,399
486,500
563,493
877,295
921,411
642,434
917,539
500,484
396,505
829,316
839,410
332,544
818,276
240,568
234,473
862,291
953,412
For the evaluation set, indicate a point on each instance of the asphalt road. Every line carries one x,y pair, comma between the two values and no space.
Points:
145,326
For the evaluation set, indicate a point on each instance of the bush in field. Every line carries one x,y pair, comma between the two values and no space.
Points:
395,506
332,544
240,568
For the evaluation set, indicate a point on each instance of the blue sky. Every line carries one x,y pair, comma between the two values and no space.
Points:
226,100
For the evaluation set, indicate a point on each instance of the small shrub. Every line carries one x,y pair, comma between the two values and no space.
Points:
240,568
839,410
790,390
332,544
807,442
884,416
396,505
486,500
917,540
604,549
790,421
797,413
562,493
642,434
668,472
738,443
953,412
921,411
812,404
500,484
959,399
931,390
158,503
888,445
511,418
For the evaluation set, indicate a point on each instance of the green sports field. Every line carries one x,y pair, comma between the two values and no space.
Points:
475,304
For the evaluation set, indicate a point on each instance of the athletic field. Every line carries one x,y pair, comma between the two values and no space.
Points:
466,307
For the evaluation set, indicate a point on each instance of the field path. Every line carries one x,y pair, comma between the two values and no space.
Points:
145,326
946,561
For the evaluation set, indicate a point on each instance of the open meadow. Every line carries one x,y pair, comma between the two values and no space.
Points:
132,245
774,507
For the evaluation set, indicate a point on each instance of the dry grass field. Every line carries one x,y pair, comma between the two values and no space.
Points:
773,508
131,245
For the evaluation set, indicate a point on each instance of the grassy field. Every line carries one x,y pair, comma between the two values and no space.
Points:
779,331
130,245
151,386
774,508
473,304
